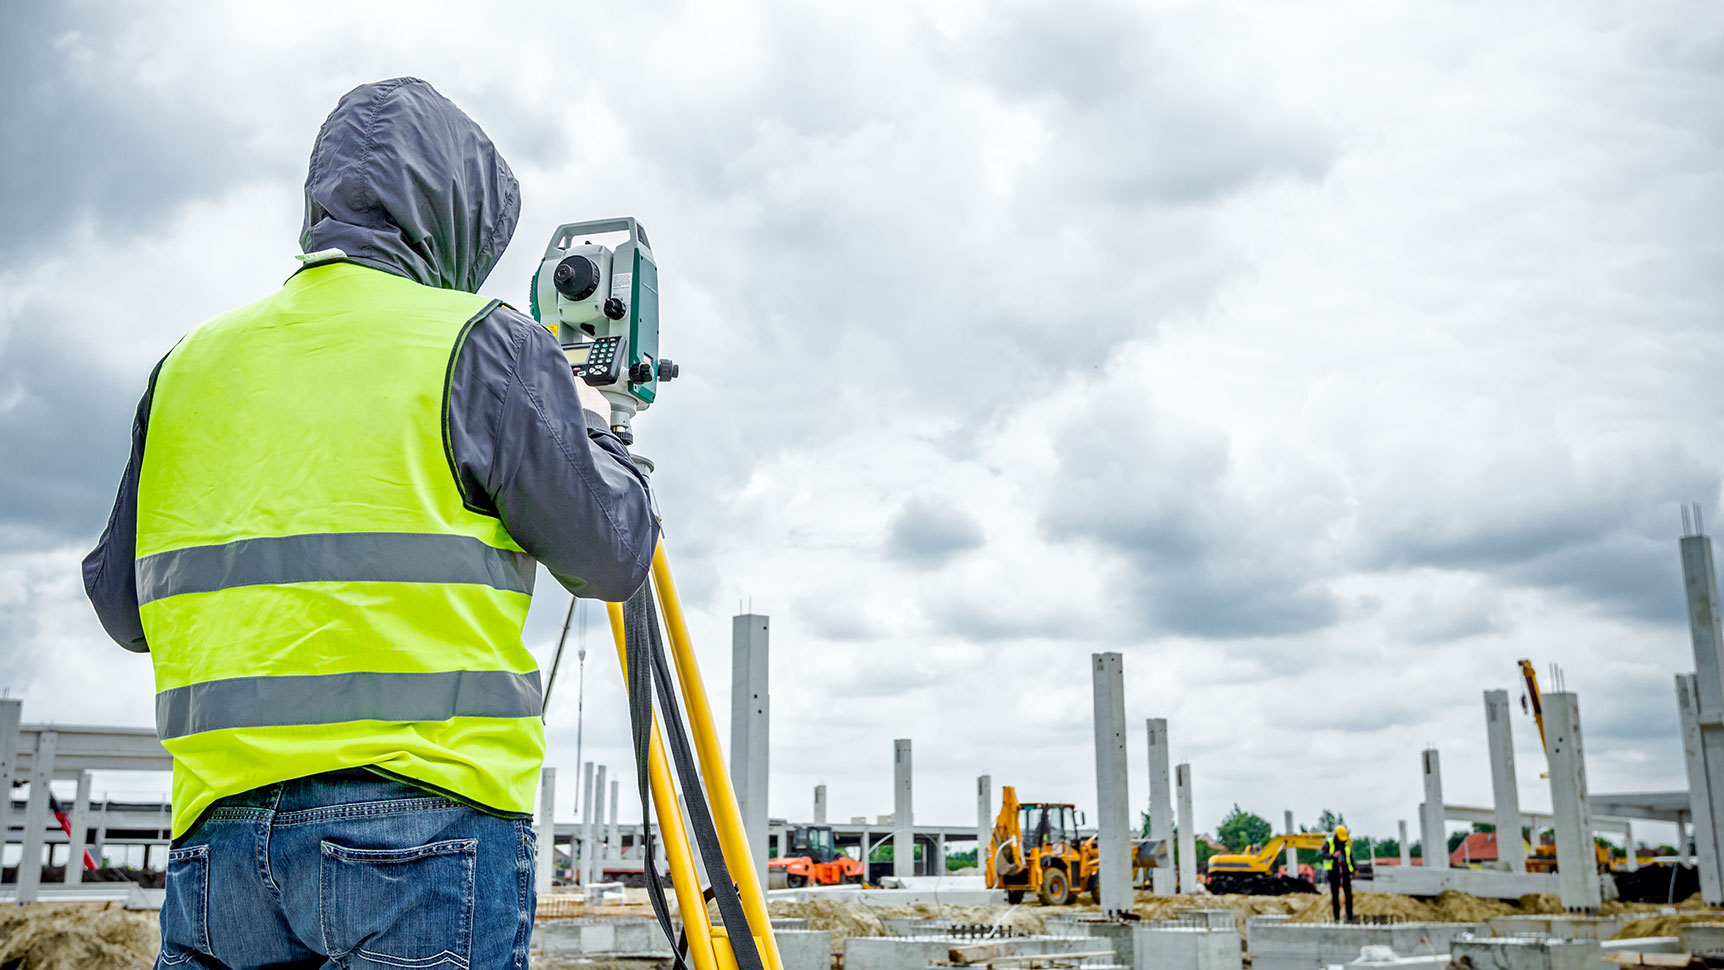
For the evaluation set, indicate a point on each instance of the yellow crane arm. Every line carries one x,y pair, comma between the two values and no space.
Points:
1531,678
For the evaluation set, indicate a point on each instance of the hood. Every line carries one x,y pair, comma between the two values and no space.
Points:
402,181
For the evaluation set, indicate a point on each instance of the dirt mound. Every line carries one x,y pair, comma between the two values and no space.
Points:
842,920
1372,904
1667,923
1458,907
77,936
1541,904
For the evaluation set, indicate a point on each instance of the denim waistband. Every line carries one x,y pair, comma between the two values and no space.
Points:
345,786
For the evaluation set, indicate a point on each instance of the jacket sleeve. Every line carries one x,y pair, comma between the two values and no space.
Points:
110,570
524,450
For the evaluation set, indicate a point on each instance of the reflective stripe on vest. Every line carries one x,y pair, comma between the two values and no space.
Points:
316,592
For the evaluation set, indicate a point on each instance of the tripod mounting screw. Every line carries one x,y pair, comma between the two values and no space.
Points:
615,308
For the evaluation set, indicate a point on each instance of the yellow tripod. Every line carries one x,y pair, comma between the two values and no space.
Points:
709,947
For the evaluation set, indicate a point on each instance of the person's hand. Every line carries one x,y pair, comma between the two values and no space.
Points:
592,399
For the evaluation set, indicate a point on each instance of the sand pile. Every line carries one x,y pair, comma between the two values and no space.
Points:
1458,907
77,936
842,920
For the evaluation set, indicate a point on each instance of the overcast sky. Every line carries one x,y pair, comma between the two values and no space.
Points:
1321,358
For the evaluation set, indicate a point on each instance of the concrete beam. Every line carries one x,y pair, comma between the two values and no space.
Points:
1576,863
1505,792
1162,877
903,812
750,727
1187,830
1113,804
1433,834
545,861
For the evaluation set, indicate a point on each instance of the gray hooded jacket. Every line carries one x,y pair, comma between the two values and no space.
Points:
404,182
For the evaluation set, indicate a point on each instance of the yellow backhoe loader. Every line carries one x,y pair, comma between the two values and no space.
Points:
1035,848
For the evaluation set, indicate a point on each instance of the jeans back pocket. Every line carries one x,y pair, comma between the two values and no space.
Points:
399,909
185,907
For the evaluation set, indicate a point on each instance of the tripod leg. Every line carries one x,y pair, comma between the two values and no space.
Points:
727,816
697,925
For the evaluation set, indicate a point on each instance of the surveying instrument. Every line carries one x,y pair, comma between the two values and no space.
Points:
602,301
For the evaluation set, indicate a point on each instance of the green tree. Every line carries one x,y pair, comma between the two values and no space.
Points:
960,860
1388,848
1484,827
1329,821
1455,840
1241,829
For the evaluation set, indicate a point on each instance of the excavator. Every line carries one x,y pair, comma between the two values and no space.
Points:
813,858
1036,848
1252,873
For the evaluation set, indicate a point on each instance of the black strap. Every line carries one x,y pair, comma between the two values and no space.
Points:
649,673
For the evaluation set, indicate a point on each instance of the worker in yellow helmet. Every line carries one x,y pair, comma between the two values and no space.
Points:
1338,863
326,540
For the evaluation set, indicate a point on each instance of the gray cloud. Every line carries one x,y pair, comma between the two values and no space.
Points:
927,533
83,143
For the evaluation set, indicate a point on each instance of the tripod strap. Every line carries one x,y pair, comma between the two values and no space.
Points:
636,643
651,674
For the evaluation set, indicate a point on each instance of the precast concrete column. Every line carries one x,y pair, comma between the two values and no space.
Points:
614,844
595,847
819,804
1162,877
750,727
579,859
1699,790
11,717
1632,863
1432,826
1113,802
1576,865
1504,790
1291,857
939,864
1700,584
1684,848
1406,846
903,814
36,816
80,821
1187,830
867,848
984,821
545,862
99,848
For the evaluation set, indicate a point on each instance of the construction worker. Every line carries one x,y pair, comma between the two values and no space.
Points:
326,539
1338,865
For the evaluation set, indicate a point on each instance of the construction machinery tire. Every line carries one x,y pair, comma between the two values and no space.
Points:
1094,887
853,879
1014,896
1056,888
796,880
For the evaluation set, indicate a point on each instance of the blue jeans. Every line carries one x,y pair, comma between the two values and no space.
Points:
349,869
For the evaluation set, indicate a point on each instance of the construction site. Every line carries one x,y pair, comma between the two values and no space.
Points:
1056,888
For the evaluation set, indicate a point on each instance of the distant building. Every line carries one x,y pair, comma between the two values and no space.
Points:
1477,847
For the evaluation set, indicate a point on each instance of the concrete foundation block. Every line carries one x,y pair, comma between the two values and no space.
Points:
917,952
1158,947
1308,946
599,935
1518,953
1642,944
1559,925
1703,937
1117,934
804,949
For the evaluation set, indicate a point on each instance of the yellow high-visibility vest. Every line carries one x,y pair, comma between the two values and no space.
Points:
315,591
